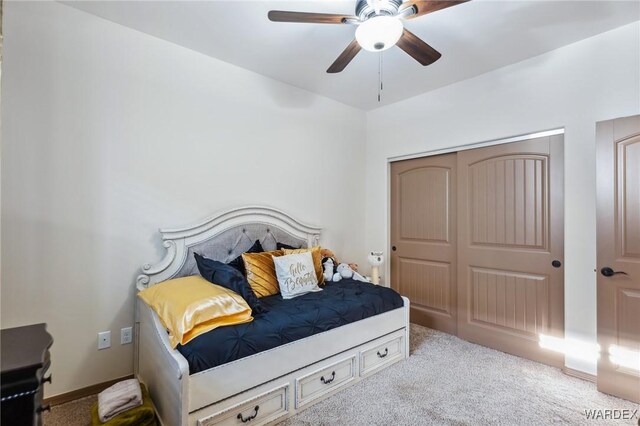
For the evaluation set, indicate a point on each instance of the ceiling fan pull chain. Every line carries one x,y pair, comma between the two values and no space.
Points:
379,79
379,76
381,71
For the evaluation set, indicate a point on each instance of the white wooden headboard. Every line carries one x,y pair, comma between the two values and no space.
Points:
223,237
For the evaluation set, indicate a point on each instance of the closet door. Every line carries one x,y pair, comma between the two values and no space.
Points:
510,247
423,238
618,179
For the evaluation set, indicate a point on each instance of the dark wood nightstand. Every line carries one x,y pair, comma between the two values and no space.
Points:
23,363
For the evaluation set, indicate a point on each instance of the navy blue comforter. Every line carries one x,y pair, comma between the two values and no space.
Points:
287,320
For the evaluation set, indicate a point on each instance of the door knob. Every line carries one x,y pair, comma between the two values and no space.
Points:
608,272
556,264
393,248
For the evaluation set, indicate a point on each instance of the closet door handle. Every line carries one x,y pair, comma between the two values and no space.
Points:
393,248
608,272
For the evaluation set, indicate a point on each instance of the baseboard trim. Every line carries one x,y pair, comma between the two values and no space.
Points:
81,393
579,374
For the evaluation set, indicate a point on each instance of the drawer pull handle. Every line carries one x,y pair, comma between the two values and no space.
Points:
386,352
45,408
327,381
248,419
46,379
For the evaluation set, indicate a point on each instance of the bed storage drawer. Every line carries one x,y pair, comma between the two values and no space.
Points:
382,354
260,410
321,382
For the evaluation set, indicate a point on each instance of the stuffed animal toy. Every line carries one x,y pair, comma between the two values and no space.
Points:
328,254
329,262
334,271
331,274
328,269
345,271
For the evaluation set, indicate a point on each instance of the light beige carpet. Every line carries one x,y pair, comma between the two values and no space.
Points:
445,381
74,413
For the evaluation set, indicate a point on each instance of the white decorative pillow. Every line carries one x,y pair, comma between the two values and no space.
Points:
296,274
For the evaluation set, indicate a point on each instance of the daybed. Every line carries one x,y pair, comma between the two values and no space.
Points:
269,385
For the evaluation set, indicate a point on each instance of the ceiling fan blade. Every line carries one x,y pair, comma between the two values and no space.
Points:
345,57
418,49
429,6
309,18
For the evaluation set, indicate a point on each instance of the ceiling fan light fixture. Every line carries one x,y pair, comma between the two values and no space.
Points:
379,33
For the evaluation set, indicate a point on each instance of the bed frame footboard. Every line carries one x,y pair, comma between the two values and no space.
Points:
164,370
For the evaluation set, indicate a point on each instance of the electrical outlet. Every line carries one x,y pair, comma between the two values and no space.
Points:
104,340
126,335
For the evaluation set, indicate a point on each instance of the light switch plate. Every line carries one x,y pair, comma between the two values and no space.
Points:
104,340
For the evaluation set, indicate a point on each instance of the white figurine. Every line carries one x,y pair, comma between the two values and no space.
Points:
375,259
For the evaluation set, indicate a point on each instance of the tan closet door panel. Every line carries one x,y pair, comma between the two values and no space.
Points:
510,230
423,238
618,180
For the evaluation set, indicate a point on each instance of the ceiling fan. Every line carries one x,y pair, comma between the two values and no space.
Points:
379,27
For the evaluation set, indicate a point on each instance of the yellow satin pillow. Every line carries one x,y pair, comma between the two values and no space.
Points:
191,306
317,260
261,272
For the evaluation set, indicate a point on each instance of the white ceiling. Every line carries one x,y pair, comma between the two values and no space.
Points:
473,38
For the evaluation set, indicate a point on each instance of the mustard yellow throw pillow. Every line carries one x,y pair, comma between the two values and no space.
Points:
317,260
261,272
191,306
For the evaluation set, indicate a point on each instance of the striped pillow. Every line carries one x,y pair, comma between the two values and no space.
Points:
261,272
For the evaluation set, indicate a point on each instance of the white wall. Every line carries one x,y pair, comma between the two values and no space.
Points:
573,87
109,134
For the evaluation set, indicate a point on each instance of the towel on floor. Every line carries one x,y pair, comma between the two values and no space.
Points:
118,398
144,415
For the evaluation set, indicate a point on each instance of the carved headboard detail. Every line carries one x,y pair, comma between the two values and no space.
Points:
223,237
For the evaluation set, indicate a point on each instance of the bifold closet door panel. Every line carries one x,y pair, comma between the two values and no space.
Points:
511,246
423,238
